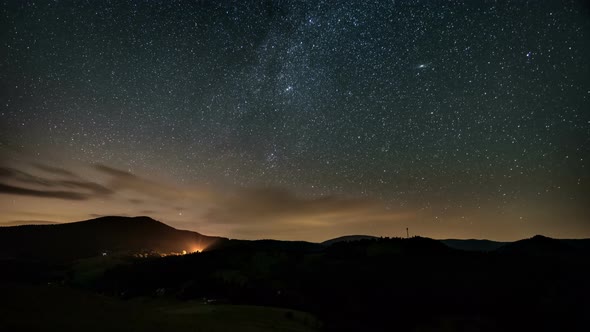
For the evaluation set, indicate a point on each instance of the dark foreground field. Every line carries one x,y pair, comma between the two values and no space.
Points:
57,308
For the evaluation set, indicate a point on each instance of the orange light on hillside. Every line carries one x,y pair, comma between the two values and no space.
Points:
195,250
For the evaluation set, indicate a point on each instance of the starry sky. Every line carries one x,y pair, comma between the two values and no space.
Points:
299,120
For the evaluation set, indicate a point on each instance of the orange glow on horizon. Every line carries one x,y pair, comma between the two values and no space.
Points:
194,250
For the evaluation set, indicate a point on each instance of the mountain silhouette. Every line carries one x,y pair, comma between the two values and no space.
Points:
348,238
94,237
539,245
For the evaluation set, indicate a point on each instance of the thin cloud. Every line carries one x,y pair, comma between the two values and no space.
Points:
91,186
114,172
54,170
23,177
68,195
27,178
121,180
27,222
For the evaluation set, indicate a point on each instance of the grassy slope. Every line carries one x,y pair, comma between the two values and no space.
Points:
54,308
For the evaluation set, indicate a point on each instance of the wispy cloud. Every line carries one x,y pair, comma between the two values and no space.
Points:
125,181
54,170
14,190
27,222
23,178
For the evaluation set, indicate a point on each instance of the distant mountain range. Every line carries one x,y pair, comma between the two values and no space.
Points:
537,245
114,234
545,246
466,245
97,236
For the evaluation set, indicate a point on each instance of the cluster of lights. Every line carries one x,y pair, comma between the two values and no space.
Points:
184,252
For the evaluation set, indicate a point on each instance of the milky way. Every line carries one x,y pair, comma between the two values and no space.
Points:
466,119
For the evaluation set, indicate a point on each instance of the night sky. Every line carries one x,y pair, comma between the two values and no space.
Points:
299,119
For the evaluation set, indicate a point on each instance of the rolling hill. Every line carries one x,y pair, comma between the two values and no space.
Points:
540,245
97,236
